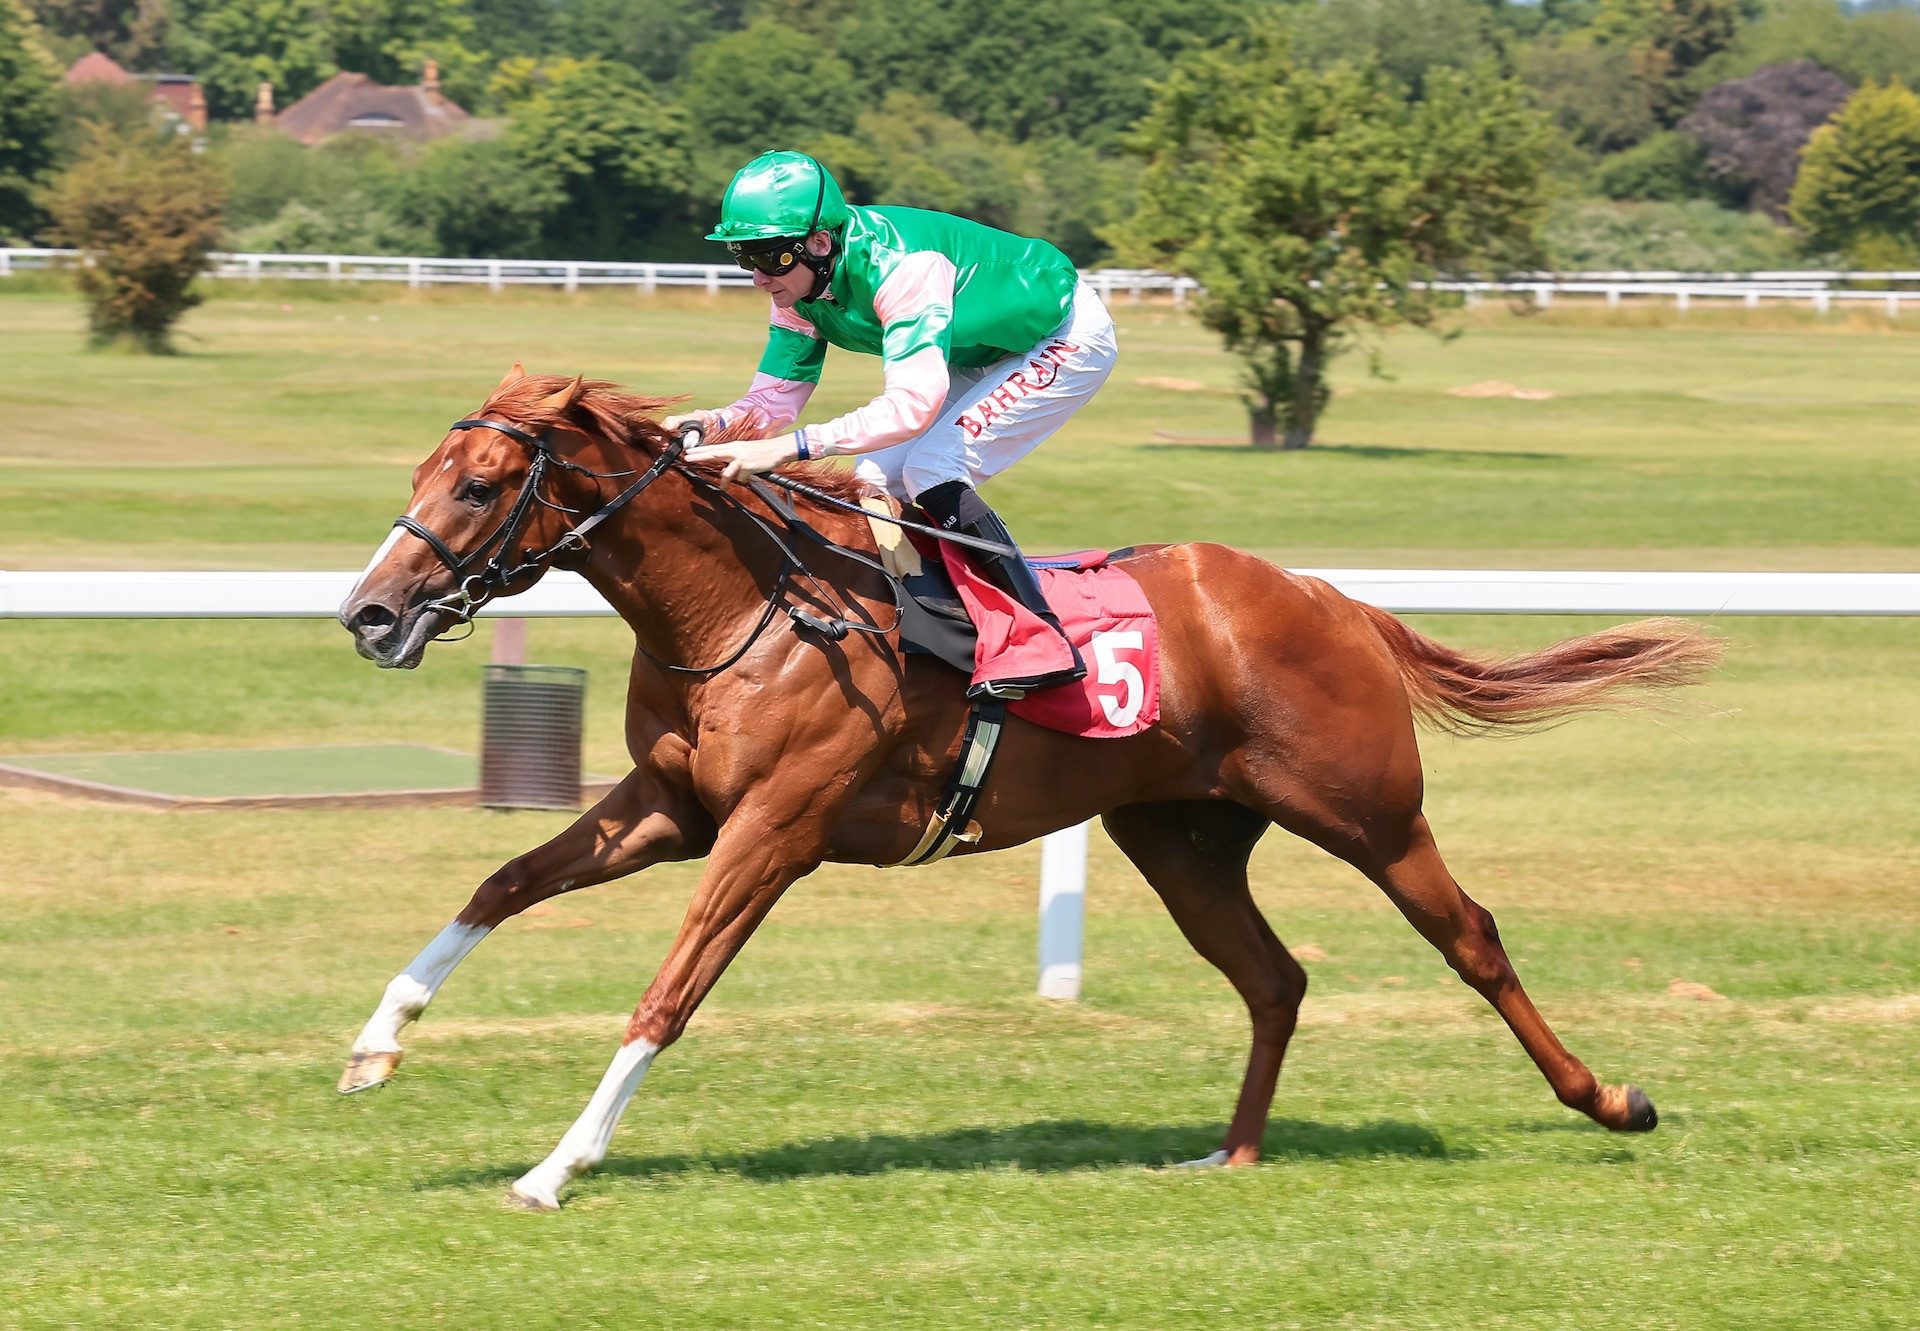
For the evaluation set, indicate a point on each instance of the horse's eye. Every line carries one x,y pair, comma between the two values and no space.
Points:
476,492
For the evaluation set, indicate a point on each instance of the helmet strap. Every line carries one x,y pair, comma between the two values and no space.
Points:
820,265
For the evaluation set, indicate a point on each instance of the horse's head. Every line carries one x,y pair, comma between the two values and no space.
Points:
492,508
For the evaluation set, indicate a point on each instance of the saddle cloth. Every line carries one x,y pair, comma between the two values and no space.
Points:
1107,617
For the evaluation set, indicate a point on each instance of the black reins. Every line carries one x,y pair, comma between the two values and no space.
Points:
477,589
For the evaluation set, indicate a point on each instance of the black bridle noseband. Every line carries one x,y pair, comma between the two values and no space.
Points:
476,589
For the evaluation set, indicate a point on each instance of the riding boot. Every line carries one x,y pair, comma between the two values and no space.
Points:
955,506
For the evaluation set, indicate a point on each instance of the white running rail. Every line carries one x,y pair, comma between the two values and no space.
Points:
172,595
1819,288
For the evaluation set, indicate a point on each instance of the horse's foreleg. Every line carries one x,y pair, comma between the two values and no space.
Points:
633,826
1463,931
745,876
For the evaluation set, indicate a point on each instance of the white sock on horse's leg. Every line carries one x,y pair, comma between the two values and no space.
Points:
1217,1160
585,1144
409,992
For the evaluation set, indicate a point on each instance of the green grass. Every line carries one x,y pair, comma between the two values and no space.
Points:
322,769
285,436
872,1123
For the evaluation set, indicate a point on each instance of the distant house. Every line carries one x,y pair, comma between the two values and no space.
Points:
178,96
354,103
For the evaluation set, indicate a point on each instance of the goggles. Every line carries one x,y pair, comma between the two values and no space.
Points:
774,258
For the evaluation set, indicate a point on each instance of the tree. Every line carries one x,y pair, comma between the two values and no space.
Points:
28,111
1859,185
1406,37
1311,203
906,152
1753,128
620,157
481,198
133,32
1857,46
234,46
762,88
390,42
653,36
144,211
997,66
1669,40
1594,93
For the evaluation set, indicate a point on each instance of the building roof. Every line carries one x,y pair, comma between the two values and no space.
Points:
94,67
354,101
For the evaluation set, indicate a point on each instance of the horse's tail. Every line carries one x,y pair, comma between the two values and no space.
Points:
1470,694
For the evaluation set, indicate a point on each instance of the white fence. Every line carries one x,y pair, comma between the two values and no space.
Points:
1819,289
499,274
1063,854
171,595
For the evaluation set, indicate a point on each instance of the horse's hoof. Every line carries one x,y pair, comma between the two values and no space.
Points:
1641,1116
365,1071
1217,1160
516,1200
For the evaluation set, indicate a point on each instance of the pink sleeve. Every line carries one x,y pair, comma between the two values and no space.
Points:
779,402
790,321
918,284
915,388
917,299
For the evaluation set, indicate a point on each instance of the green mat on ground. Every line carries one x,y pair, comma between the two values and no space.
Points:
224,773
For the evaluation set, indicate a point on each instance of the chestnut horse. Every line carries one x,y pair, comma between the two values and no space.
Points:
1282,701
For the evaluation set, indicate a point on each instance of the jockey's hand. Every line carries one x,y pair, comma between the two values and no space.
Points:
745,457
706,420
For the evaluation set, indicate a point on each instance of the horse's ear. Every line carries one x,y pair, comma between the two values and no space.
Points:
561,401
514,376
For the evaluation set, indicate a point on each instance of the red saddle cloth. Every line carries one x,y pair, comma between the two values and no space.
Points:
1105,613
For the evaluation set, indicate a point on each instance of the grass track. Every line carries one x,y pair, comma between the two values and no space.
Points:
285,438
872,1123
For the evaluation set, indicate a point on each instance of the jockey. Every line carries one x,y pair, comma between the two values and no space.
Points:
990,341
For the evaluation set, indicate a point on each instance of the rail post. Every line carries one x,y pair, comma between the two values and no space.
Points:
1063,895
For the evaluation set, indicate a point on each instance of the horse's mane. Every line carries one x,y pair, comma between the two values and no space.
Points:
631,420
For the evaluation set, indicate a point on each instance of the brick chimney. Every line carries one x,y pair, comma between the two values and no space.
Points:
263,105
430,77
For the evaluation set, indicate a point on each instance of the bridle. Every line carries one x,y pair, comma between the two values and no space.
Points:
475,590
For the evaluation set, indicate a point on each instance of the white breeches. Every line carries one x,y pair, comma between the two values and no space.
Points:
997,414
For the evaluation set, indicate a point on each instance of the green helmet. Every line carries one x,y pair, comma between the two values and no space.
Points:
780,194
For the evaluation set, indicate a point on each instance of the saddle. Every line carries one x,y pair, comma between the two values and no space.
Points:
934,619
1100,607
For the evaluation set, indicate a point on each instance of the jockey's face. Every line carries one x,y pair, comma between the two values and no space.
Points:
792,287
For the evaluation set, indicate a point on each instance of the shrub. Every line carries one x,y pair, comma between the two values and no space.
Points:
1859,185
1595,235
1667,168
1752,129
144,210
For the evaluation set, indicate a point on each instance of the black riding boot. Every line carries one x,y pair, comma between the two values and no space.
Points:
956,506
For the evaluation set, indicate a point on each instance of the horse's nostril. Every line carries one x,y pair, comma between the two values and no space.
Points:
372,621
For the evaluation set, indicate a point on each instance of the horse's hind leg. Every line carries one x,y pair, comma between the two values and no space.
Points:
1195,857
1417,881
636,824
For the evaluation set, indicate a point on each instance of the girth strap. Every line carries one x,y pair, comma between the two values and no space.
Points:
984,724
